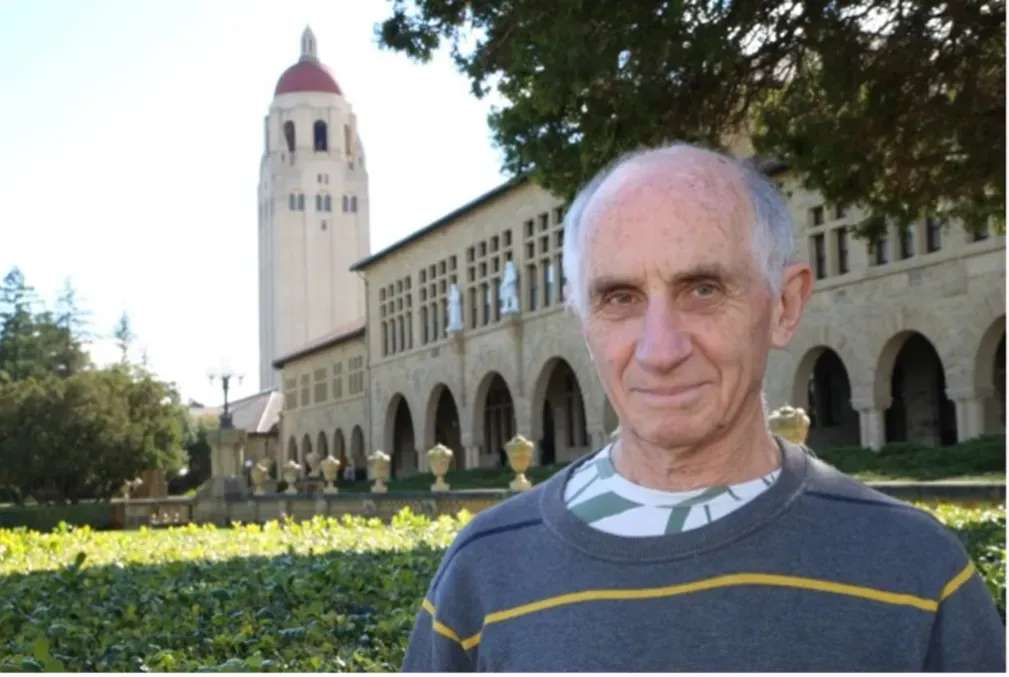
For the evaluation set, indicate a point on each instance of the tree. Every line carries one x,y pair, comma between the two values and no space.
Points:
33,341
894,106
73,323
124,336
18,301
65,439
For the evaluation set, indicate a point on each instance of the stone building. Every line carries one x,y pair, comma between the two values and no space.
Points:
458,334
901,341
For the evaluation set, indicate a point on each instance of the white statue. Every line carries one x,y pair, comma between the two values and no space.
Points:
508,292
454,309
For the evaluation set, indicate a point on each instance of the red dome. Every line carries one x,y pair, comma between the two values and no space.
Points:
307,75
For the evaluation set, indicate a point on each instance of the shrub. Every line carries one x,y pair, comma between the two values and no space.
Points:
98,515
336,595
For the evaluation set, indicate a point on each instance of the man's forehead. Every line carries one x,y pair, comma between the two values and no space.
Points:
691,179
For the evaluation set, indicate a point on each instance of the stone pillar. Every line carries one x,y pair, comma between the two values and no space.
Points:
969,417
472,459
871,417
872,427
227,460
422,464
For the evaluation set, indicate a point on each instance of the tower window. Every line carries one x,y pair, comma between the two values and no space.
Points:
293,202
346,204
353,204
289,135
327,203
318,203
301,202
320,136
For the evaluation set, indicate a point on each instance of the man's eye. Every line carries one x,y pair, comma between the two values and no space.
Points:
705,290
619,298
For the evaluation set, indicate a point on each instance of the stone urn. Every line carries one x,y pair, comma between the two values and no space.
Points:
520,456
330,467
439,459
292,471
789,422
378,467
258,475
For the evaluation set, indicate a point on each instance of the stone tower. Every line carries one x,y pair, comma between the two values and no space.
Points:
313,212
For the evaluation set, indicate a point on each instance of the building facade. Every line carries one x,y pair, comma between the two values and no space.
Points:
903,340
313,212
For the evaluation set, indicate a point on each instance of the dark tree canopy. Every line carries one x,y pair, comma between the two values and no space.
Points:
68,429
895,106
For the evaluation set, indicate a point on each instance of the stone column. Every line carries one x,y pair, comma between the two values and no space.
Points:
227,458
969,418
422,464
970,410
872,427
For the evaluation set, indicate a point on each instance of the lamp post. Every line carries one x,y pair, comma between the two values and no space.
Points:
225,374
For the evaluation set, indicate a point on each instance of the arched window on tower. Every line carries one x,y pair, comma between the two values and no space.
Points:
346,204
348,148
318,203
289,135
293,202
353,204
320,136
327,203
301,202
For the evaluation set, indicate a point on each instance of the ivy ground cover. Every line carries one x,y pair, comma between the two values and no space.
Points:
335,595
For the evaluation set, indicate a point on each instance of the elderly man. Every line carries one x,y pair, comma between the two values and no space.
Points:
698,541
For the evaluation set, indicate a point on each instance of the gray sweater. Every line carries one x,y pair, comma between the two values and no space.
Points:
817,574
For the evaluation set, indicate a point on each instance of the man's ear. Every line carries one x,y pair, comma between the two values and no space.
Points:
796,288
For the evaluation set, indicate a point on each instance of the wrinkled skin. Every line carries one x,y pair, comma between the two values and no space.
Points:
680,321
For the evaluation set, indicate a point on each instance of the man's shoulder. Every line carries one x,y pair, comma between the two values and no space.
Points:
845,499
497,536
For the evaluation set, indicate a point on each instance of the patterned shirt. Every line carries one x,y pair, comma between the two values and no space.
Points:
599,496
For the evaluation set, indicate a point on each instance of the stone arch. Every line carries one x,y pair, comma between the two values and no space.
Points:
358,454
443,423
289,137
401,437
896,328
822,386
814,337
910,384
322,445
494,421
292,449
990,377
559,425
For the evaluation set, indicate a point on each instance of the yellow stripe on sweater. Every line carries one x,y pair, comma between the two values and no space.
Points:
717,582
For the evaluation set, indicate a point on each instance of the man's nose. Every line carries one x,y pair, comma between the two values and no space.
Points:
662,344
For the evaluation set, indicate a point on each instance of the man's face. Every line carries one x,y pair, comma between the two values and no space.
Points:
678,318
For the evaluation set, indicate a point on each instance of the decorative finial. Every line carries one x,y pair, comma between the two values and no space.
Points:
309,49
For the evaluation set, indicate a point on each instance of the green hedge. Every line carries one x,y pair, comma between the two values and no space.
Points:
97,515
335,595
984,456
980,458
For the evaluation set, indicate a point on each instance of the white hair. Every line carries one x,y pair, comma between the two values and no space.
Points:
773,243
